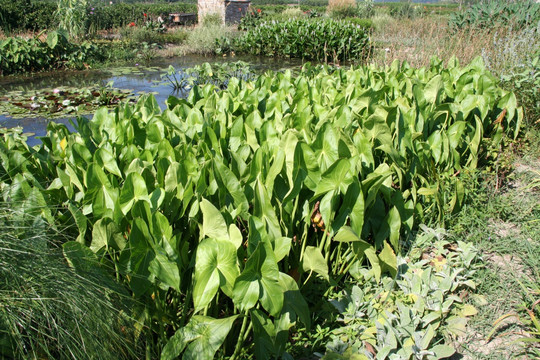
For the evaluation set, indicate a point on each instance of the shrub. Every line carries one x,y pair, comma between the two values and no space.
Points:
363,23
341,12
321,40
493,14
26,55
203,39
525,82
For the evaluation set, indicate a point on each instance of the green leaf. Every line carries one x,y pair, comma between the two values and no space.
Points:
294,303
213,225
269,338
52,39
388,260
164,269
200,338
259,281
105,159
141,255
336,178
215,266
433,89
313,260
442,351
232,185
80,221
80,257
106,234
134,189
393,221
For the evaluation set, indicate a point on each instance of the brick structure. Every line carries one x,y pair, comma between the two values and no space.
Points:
230,11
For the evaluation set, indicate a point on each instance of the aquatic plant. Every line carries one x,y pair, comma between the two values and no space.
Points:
220,212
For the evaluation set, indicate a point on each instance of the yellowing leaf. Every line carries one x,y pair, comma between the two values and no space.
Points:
63,144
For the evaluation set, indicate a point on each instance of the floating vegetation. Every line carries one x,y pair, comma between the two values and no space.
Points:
216,74
61,101
134,70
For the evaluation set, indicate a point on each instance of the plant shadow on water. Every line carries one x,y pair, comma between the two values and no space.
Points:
127,84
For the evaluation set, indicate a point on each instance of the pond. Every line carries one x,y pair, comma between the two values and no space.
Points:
131,80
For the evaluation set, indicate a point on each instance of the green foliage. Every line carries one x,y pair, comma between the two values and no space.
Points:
497,13
214,210
405,10
26,15
216,74
312,3
23,15
407,317
251,20
53,311
121,14
525,81
26,55
366,24
362,9
321,40
341,12
71,16
203,40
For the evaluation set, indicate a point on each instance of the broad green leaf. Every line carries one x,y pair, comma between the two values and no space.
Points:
80,257
232,185
141,255
215,266
393,220
294,303
259,281
235,236
80,221
282,247
134,189
164,269
213,225
106,234
313,260
269,338
105,159
200,338
388,259
336,178
433,89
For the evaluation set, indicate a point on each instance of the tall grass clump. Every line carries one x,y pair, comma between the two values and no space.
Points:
202,39
71,15
50,311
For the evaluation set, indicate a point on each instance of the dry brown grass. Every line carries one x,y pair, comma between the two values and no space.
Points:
417,40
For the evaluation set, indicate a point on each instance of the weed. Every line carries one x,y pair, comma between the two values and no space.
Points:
48,309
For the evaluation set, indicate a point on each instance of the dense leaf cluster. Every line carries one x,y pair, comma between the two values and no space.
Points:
23,15
19,55
214,210
497,13
322,40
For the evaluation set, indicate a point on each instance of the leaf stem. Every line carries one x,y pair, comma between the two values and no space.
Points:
240,336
